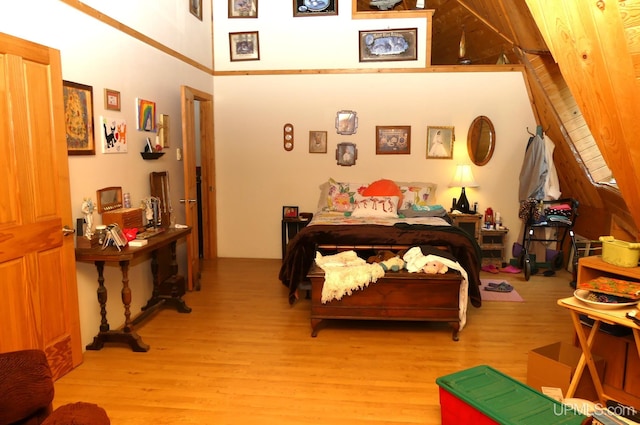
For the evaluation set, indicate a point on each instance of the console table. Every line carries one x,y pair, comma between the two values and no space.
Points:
167,291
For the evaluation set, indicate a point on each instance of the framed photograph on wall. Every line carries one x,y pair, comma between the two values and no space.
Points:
111,100
243,8
195,7
78,112
315,7
346,122
395,139
244,46
317,142
289,212
388,45
440,142
346,154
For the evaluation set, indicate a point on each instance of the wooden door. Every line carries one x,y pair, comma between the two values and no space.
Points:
208,201
38,288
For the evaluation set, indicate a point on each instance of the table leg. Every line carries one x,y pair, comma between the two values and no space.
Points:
586,358
127,335
97,343
172,289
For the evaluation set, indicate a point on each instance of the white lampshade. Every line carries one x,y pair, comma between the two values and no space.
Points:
463,177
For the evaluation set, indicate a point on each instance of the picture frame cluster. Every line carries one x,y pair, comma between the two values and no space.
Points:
80,129
381,45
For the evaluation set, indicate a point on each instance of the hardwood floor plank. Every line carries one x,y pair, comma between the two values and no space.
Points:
244,356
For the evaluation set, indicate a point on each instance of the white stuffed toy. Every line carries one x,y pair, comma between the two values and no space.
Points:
435,267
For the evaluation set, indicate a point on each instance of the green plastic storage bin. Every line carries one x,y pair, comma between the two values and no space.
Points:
485,396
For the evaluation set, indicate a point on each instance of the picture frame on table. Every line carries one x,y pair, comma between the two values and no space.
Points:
392,140
440,142
244,46
289,212
111,100
388,45
315,7
78,110
317,142
195,8
243,9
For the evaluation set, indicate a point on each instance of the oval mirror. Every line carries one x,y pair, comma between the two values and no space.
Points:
481,140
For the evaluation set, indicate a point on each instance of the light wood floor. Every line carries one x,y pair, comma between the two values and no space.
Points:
244,356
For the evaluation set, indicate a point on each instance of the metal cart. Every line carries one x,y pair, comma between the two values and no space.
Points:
559,216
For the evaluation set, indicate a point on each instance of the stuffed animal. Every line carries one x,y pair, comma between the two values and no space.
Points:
381,256
392,264
435,267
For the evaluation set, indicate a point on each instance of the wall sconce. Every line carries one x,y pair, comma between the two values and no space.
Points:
463,178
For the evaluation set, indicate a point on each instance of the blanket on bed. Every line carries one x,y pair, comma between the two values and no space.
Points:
301,249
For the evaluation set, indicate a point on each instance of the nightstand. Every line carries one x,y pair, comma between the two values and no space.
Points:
470,223
492,246
291,226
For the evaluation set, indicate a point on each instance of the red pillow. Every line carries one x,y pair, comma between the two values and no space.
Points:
383,187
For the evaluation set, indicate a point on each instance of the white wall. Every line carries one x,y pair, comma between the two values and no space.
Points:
255,176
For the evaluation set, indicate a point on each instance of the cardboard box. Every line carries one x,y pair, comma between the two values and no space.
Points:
553,366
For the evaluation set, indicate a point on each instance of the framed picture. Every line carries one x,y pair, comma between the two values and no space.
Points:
145,115
346,154
243,8
440,142
195,7
244,46
111,100
315,7
317,142
289,212
389,45
163,131
114,135
393,139
346,122
78,117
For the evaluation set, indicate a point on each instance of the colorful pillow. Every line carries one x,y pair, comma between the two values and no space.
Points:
340,195
416,193
382,187
375,206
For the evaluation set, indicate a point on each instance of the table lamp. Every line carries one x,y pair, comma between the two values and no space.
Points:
463,178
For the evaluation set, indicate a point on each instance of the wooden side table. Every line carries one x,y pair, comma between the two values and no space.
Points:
492,244
470,223
291,226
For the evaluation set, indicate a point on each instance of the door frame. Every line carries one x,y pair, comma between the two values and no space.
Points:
207,164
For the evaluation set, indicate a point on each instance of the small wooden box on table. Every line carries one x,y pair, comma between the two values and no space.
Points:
396,296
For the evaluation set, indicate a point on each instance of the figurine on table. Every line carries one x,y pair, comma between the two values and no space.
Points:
87,210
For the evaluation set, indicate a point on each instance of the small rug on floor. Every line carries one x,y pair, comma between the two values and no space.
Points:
512,296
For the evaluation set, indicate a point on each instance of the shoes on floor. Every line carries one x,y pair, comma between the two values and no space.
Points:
510,269
499,287
490,268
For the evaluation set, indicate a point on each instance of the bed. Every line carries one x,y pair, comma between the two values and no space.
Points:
344,220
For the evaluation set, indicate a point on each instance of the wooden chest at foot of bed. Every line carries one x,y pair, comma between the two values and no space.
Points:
396,296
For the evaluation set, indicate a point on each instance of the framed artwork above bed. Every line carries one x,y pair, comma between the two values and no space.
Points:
393,139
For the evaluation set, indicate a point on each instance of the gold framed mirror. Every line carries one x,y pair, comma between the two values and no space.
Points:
109,198
481,140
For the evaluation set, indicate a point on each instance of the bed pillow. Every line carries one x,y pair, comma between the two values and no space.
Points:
416,194
338,196
383,187
375,206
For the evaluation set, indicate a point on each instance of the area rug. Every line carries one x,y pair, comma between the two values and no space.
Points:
512,296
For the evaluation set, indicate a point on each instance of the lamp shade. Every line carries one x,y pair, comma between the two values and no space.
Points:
463,177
